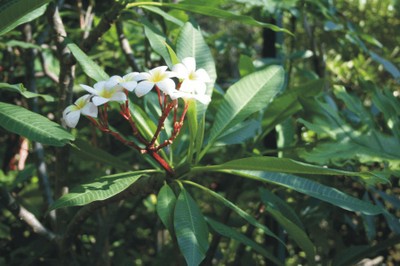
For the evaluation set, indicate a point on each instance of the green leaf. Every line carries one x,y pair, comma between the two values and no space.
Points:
233,234
294,231
99,189
166,201
165,15
250,94
157,40
88,65
90,152
236,209
311,188
246,65
190,229
287,104
280,205
213,12
17,12
239,133
286,165
24,92
33,126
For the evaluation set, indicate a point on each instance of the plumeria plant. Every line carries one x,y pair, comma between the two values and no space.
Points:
190,84
144,168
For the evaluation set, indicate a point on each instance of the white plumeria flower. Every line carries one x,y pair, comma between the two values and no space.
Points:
83,106
104,92
126,82
155,77
193,81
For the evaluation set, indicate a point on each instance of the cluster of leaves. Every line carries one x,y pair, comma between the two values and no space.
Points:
225,201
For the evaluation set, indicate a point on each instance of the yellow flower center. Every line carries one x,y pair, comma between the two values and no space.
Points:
106,93
192,76
157,77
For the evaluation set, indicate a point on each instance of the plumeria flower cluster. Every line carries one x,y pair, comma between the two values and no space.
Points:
182,81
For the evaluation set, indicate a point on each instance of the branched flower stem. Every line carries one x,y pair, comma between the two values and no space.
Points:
150,147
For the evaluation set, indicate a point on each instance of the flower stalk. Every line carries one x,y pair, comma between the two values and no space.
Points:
95,105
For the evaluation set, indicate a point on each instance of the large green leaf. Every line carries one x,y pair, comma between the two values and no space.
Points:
287,104
99,189
32,125
294,231
281,206
165,15
19,88
17,12
233,234
166,201
157,41
251,94
286,165
212,12
311,188
88,65
250,219
190,229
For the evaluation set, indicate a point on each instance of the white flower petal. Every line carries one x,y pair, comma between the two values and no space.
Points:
190,63
130,77
171,74
202,75
119,96
187,85
90,110
99,86
160,69
199,87
142,76
72,118
143,88
204,99
69,109
98,100
181,71
129,85
112,82
167,86
81,101
89,89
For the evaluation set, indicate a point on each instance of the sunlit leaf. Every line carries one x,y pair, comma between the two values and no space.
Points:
17,12
311,188
98,189
166,201
19,88
190,229
213,12
250,94
88,65
33,126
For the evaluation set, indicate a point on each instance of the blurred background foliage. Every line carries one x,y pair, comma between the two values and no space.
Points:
342,67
